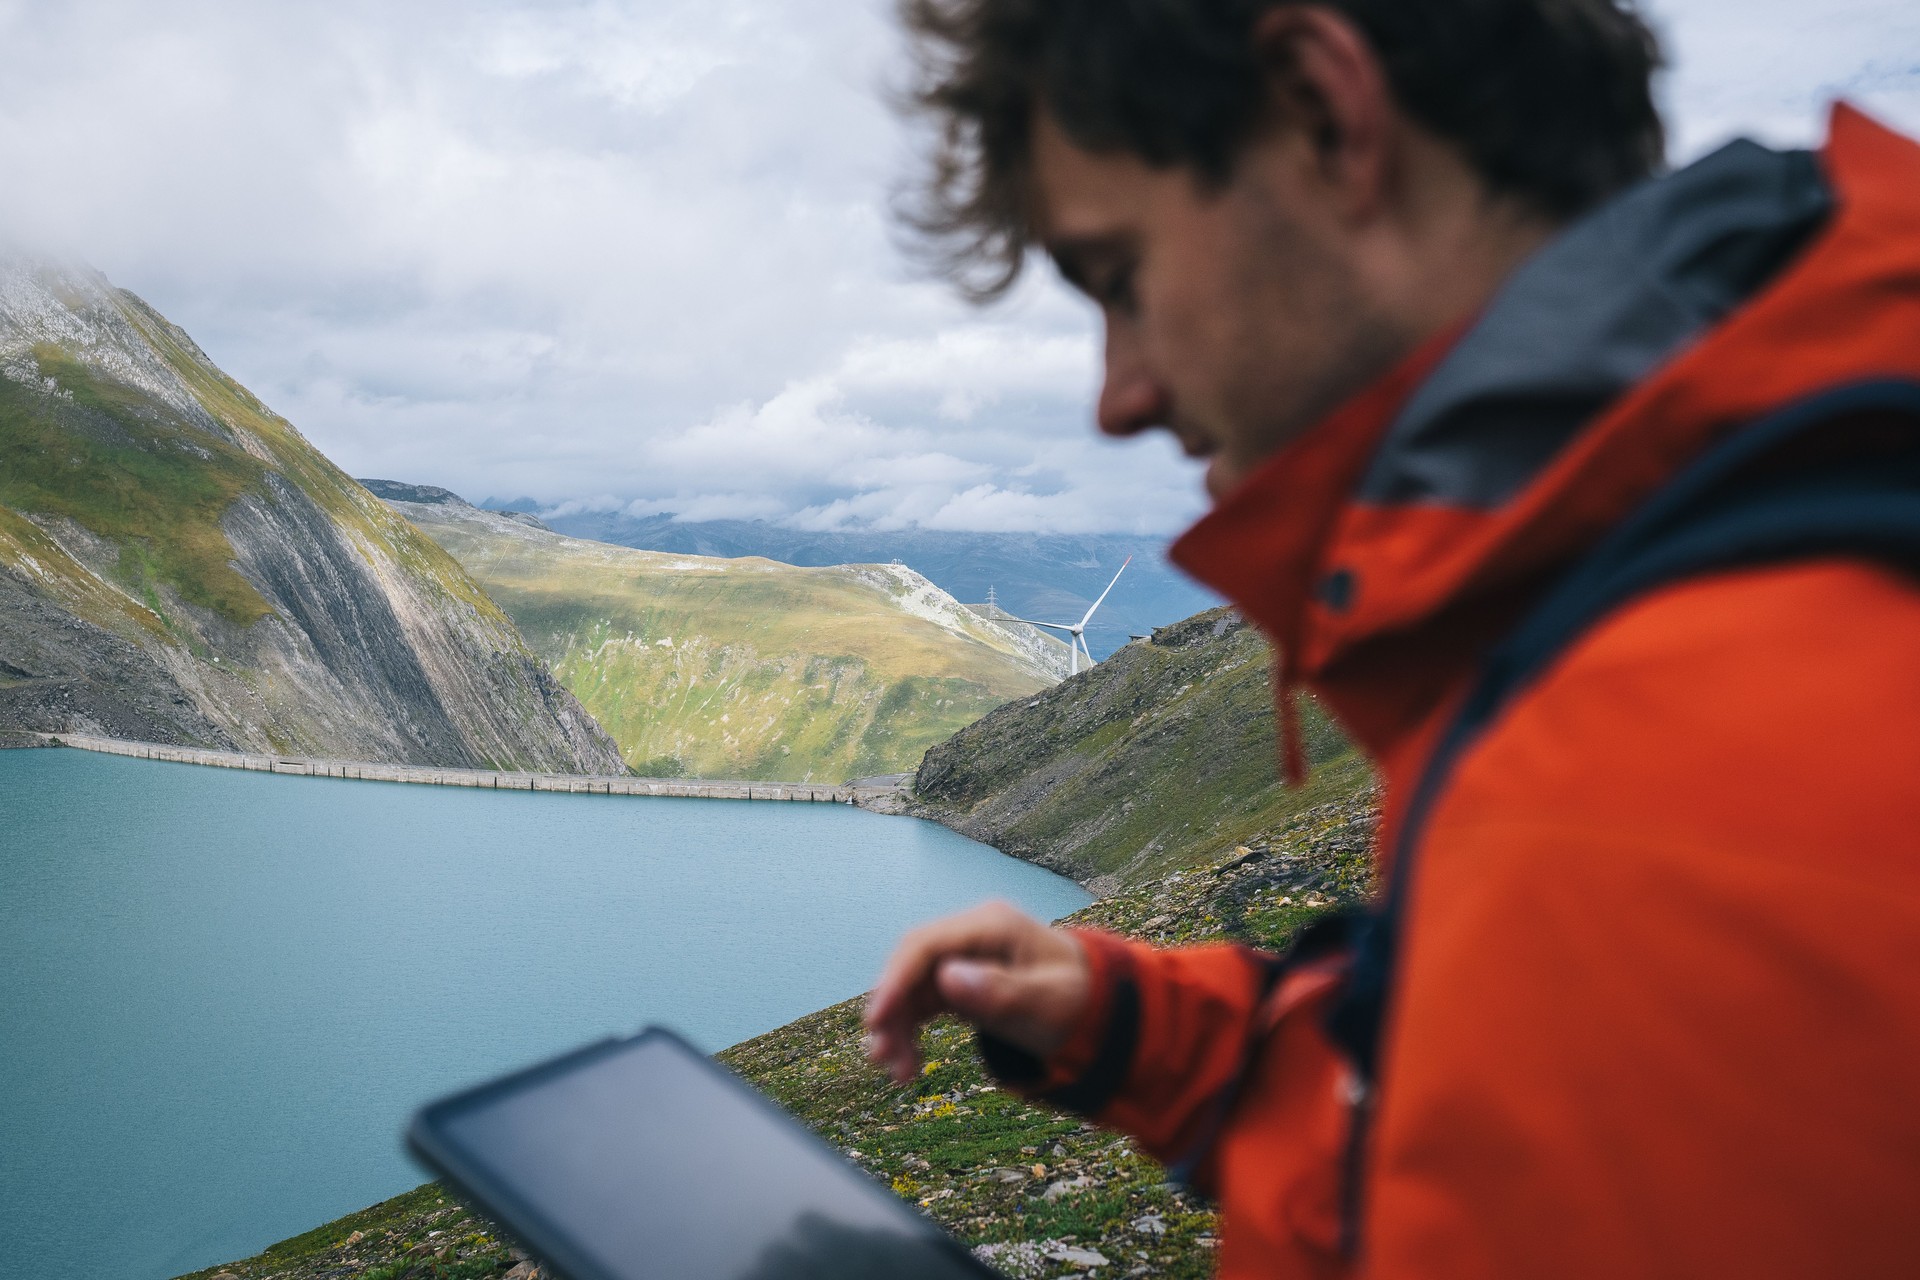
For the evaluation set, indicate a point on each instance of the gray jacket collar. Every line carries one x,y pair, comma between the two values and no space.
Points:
1608,301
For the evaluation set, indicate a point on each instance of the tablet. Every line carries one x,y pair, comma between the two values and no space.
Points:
642,1159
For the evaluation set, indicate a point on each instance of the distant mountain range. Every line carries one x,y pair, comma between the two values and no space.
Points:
178,564
742,668
1048,577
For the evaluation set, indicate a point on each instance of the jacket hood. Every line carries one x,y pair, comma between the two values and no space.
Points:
1389,545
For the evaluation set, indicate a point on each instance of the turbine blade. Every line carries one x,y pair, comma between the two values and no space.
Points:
1104,595
1057,626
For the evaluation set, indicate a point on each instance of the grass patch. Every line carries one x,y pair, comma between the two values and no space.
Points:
424,1233
115,462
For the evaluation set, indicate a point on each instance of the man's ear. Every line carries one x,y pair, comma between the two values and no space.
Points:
1328,85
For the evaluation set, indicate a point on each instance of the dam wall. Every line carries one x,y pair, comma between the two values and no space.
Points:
434,776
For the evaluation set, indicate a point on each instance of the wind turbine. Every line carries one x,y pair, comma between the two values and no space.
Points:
1077,632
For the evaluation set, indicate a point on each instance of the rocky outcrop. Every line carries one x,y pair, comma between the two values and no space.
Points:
430,495
178,564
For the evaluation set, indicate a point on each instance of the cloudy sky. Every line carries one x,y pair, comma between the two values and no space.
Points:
637,253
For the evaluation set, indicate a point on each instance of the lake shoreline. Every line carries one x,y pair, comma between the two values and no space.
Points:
346,952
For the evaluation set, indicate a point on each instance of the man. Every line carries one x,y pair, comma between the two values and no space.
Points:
1402,274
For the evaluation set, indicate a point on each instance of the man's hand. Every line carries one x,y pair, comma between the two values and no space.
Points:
1000,970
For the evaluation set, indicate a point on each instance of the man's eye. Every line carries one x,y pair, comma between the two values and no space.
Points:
1116,290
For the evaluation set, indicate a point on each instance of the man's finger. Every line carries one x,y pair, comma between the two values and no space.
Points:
976,990
987,931
908,993
1032,1004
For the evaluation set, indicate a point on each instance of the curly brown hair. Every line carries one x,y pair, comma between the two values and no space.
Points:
1551,101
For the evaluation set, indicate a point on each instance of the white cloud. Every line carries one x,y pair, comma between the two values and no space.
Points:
1768,68
707,506
638,251
612,52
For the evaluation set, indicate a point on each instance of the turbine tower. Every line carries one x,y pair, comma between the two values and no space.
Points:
1077,631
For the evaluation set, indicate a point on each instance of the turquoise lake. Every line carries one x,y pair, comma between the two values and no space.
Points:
223,993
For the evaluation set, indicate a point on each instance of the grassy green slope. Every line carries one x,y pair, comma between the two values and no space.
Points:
1155,759
132,472
736,668
337,493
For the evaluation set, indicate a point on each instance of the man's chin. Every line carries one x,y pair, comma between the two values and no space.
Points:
1221,479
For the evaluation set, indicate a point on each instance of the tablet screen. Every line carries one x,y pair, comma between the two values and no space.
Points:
640,1158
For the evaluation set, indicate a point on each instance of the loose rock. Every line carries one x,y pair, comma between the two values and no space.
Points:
1077,1256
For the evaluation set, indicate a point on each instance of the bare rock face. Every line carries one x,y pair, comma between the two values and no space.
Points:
178,564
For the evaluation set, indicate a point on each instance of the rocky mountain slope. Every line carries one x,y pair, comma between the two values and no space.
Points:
1158,756
742,668
178,564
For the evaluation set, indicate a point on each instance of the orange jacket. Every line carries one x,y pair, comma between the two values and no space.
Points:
1656,1009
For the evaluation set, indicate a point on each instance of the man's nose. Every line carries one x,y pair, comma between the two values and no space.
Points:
1131,398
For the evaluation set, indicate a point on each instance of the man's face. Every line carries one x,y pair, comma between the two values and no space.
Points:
1235,317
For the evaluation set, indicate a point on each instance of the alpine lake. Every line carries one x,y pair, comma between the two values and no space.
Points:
222,993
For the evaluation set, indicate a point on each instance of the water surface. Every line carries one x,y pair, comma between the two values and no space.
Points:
222,993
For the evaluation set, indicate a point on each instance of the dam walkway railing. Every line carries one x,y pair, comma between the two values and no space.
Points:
490,779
